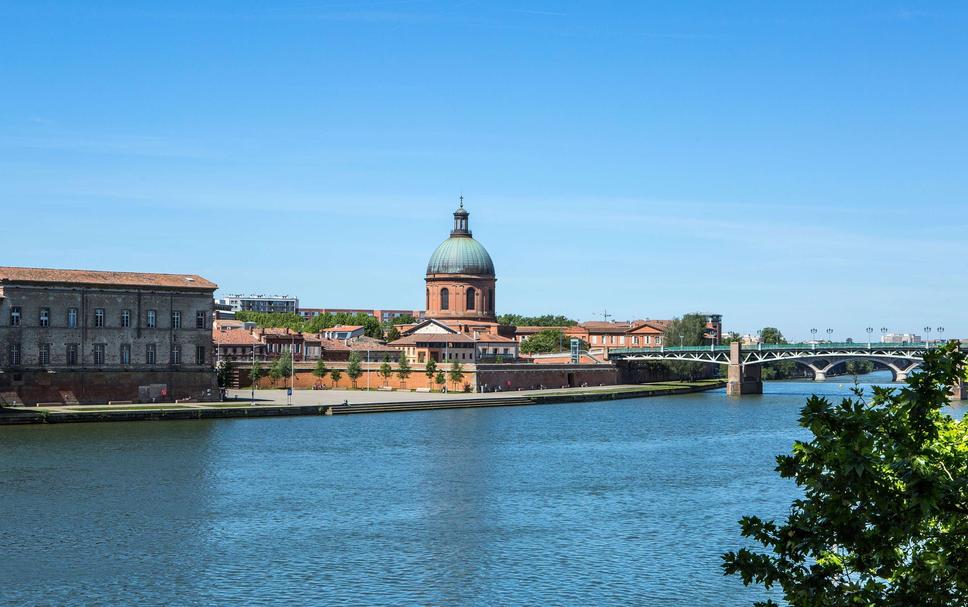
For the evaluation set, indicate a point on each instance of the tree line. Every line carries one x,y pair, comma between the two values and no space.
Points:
372,327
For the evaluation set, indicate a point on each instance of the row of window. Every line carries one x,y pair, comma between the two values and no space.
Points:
620,339
470,302
72,353
151,318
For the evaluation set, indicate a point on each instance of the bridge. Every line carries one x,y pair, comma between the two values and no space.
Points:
745,364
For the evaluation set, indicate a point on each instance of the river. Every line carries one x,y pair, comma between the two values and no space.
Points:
626,502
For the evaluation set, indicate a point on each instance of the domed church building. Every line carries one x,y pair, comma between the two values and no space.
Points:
460,276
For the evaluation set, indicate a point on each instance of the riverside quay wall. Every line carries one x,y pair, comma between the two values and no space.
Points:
476,377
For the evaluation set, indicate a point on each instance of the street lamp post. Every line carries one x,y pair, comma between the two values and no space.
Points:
829,333
292,368
940,330
927,336
813,333
680,341
869,331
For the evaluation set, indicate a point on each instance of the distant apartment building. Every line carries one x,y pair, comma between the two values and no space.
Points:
260,303
383,315
900,338
92,336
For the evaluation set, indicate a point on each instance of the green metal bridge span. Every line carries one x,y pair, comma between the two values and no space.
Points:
745,362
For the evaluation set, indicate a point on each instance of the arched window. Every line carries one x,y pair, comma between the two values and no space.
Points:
444,299
470,298
490,299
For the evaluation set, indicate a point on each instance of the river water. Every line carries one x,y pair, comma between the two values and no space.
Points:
627,502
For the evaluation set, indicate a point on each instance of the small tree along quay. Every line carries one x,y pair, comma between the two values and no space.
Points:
456,373
440,379
336,374
255,374
320,369
430,370
354,370
386,371
403,369
281,368
224,373
883,520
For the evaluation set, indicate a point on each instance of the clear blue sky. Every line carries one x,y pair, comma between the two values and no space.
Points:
783,164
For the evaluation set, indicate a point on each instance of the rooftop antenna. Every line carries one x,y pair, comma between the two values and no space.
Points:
606,315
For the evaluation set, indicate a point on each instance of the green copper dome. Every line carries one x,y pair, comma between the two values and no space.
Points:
461,254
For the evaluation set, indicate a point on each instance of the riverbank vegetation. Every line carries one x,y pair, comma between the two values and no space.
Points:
372,327
689,330
883,517
545,320
549,340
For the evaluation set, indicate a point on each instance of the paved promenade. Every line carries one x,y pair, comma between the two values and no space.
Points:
330,397
272,403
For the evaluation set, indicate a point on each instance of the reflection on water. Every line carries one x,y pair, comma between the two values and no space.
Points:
605,503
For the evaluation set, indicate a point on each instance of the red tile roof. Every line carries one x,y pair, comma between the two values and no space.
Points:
234,337
96,277
434,338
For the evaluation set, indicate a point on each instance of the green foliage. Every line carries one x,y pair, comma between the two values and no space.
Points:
549,340
224,373
385,369
271,319
256,373
336,374
430,369
403,368
456,372
784,369
320,369
731,337
294,322
883,519
392,333
354,370
859,367
440,379
405,319
690,330
546,320
771,335
282,367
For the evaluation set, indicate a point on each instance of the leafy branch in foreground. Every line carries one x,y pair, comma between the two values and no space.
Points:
883,520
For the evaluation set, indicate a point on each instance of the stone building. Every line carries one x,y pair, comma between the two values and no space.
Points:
460,276
91,336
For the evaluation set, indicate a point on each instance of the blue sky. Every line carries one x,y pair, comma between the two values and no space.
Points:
790,164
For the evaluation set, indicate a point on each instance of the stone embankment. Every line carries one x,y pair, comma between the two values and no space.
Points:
105,413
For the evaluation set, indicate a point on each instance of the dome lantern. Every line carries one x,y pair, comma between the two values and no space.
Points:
461,224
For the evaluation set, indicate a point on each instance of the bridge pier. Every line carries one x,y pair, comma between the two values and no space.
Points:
742,379
959,391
